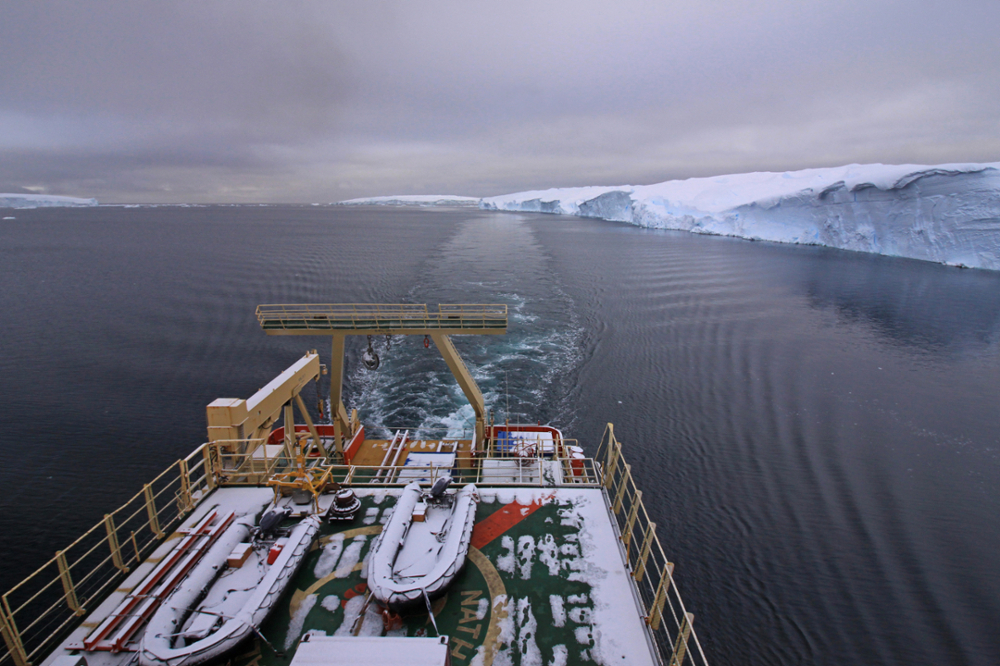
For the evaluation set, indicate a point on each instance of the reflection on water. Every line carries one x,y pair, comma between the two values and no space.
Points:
913,303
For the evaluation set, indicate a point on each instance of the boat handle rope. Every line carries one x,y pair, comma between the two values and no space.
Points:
430,611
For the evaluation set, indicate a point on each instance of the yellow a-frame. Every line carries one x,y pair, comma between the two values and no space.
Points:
341,320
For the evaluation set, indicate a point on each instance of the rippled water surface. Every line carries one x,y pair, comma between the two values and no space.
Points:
816,432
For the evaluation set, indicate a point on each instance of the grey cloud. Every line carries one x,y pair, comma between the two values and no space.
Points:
315,101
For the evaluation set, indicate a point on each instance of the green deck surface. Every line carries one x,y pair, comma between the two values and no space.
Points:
473,612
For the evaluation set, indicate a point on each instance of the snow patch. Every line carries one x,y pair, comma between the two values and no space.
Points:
328,558
350,558
527,627
505,562
569,518
558,610
525,555
371,625
331,602
298,620
547,551
505,496
482,609
583,635
503,607
560,655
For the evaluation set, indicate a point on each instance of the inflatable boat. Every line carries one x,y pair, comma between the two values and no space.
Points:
423,545
229,593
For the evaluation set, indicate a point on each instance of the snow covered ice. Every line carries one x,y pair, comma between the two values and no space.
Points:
948,213
41,201
413,200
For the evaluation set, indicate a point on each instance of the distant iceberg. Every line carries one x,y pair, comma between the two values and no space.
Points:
414,200
948,213
41,201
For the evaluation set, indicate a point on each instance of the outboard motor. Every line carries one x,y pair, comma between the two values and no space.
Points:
437,490
269,521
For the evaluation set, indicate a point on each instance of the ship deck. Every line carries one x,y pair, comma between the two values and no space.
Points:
544,583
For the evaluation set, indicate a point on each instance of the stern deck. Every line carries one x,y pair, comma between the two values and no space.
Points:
544,582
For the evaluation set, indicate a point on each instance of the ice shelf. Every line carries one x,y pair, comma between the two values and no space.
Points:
948,213
41,201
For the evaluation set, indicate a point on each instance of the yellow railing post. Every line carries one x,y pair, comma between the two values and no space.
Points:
620,495
67,582
660,599
154,519
209,466
116,549
11,636
184,494
647,543
630,523
614,450
681,644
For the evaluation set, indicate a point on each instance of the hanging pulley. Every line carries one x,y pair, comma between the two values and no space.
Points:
388,342
427,342
370,358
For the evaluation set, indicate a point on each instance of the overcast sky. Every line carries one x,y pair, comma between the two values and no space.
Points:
294,101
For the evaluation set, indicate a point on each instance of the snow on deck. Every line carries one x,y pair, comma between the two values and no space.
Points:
242,501
606,622
546,587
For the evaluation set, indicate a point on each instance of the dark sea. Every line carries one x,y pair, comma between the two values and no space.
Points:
816,432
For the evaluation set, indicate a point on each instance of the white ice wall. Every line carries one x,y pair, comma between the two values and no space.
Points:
947,213
41,200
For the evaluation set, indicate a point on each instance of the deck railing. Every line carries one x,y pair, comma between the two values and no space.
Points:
380,317
42,609
669,622
248,463
245,462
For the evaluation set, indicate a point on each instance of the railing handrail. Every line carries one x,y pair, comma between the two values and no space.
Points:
617,480
70,592
347,318
350,311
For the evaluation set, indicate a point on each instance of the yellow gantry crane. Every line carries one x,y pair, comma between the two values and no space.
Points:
253,418
340,320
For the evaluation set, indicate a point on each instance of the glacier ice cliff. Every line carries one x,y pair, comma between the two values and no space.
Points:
948,213
41,201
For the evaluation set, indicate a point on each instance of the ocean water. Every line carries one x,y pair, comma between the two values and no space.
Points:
816,432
